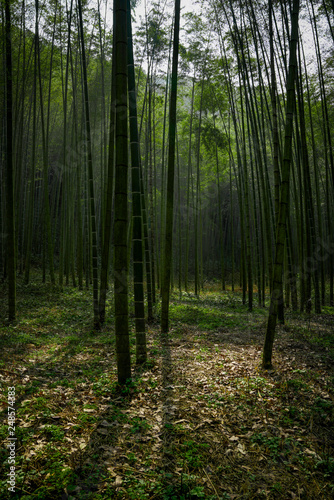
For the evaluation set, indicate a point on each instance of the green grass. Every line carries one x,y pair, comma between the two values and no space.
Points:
211,314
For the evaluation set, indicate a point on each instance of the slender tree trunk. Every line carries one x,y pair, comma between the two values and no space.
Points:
309,207
46,217
198,202
31,185
245,193
277,178
179,220
276,294
77,182
163,175
121,197
147,250
105,258
141,351
150,186
189,184
90,174
11,261
170,177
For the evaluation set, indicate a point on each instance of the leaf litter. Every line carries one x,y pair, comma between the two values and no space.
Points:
200,420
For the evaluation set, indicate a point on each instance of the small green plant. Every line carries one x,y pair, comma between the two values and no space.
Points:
84,417
293,416
40,403
34,387
140,489
139,425
130,387
186,489
132,457
277,487
271,444
326,466
103,386
23,434
54,433
297,384
192,453
323,409
153,383
3,431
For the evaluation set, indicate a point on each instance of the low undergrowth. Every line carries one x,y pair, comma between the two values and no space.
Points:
200,420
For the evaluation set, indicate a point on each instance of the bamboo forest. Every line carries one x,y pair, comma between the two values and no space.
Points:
167,249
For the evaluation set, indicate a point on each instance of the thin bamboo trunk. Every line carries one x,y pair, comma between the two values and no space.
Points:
90,174
138,278
170,177
121,197
276,295
10,219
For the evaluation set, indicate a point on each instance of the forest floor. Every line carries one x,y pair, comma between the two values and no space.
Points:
200,420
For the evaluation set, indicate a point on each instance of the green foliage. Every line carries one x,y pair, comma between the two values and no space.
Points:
209,314
213,137
191,453
277,487
139,425
271,444
326,466
54,433
323,409
297,385
186,489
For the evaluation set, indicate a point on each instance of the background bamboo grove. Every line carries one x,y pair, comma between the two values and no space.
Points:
95,191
